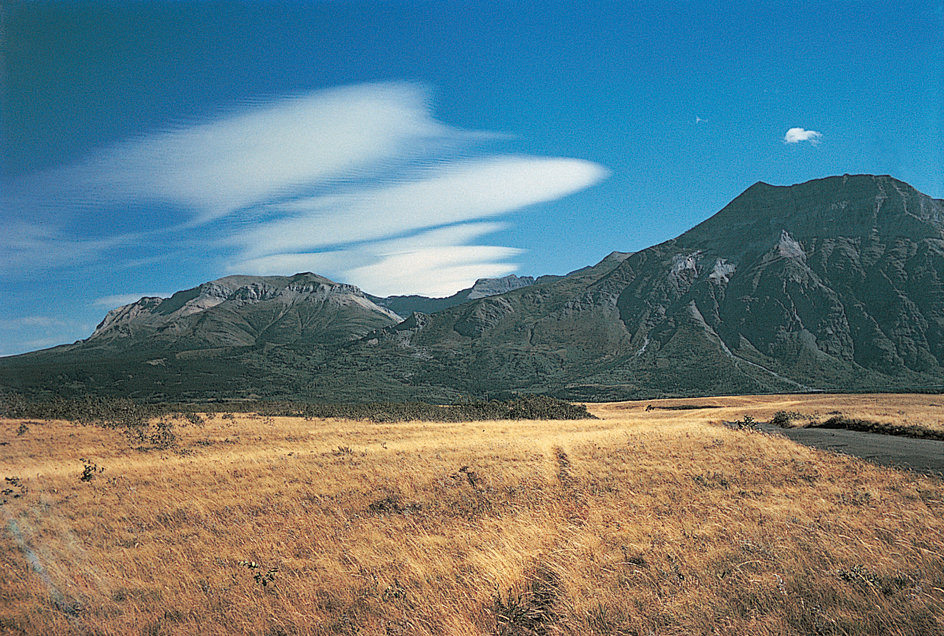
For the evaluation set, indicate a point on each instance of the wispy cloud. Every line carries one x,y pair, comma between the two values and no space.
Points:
304,179
435,262
117,300
453,193
796,135
432,262
26,246
269,149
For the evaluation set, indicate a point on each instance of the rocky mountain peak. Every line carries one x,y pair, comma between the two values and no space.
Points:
230,298
484,287
850,205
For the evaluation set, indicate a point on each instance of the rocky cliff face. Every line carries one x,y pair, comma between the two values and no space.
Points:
817,282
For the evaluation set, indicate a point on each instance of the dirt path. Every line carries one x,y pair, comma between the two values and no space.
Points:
919,455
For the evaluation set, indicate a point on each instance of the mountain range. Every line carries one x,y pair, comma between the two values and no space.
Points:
835,284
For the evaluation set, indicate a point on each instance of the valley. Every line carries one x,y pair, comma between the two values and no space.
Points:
659,516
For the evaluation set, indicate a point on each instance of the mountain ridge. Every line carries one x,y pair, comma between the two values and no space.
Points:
833,284
214,314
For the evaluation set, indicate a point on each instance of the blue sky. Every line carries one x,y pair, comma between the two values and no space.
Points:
412,147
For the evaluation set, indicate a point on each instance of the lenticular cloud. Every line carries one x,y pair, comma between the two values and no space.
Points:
267,150
457,192
333,172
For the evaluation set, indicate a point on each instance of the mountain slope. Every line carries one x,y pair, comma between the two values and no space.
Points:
239,311
484,287
834,284
831,283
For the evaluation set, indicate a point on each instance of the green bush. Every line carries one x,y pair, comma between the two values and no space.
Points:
784,418
135,418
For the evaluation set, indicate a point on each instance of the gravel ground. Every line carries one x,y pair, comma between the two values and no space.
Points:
919,455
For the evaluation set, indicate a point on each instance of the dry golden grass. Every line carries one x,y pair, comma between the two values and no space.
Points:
658,522
923,411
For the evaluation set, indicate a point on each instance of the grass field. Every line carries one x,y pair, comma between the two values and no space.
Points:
659,521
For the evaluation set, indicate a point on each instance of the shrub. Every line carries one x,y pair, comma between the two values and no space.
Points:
748,424
89,470
134,417
784,418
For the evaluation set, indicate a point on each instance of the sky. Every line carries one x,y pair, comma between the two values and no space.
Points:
413,147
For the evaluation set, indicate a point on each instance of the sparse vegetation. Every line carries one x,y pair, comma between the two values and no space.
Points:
14,488
747,423
663,522
260,577
788,419
122,413
784,419
89,469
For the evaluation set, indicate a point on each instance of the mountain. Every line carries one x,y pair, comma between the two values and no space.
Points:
834,284
193,344
484,287
239,311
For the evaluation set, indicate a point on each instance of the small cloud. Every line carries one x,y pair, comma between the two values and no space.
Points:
796,135
119,300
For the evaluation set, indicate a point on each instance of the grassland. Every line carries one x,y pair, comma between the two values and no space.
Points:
659,521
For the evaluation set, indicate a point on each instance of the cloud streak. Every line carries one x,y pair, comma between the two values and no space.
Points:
455,193
246,158
436,262
118,300
26,246
796,135
346,172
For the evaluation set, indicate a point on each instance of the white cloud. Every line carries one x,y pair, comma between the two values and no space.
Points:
796,135
455,193
119,300
266,151
436,262
435,271
326,182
